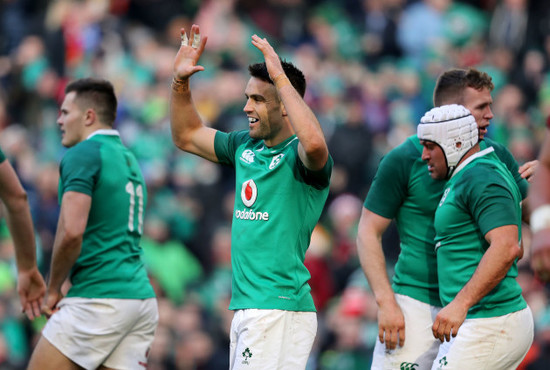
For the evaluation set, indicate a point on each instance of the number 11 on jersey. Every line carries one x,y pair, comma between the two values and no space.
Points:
135,191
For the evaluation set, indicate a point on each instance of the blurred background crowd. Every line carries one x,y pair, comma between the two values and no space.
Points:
370,65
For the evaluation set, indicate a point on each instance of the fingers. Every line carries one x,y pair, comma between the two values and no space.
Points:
48,312
195,37
401,337
528,169
391,338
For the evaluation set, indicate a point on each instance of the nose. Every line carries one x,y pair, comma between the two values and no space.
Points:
489,113
425,154
248,107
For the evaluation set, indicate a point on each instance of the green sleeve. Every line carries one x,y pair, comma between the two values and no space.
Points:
389,187
490,201
508,159
80,168
225,145
2,156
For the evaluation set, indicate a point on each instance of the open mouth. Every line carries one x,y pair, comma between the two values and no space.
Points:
252,120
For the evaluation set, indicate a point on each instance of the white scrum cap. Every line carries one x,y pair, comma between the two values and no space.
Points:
453,128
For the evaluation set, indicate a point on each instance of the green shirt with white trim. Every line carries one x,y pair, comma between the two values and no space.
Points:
278,202
481,196
110,262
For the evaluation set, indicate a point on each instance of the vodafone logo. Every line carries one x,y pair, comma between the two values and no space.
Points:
249,193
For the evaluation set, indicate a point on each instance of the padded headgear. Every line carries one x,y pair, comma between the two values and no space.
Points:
453,128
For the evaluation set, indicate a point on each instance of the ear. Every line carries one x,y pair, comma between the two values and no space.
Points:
90,117
283,109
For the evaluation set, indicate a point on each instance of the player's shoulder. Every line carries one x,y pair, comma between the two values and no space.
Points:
410,149
84,151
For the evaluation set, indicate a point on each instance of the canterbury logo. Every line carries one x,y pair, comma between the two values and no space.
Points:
408,366
247,156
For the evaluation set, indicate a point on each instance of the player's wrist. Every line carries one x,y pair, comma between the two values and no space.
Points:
180,85
281,80
540,218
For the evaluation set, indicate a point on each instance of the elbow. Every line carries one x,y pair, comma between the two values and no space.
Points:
17,202
317,151
512,253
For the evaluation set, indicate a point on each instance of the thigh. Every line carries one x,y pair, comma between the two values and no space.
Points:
271,339
88,330
490,343
46,357
420,347
133,349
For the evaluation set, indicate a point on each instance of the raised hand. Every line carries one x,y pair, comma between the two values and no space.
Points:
192,46
272,61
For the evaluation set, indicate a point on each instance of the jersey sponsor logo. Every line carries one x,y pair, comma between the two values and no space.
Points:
247,156
251,215
249,193
276,160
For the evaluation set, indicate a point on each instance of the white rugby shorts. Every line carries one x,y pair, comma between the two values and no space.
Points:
420,347
271,339
489,343
116,333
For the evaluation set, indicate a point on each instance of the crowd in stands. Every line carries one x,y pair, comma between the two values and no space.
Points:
370,66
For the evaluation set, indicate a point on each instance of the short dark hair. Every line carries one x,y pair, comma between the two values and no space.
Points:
296,77
451,84
97,94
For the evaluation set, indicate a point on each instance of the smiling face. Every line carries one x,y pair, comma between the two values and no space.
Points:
265,112
71,121
433,155
479,102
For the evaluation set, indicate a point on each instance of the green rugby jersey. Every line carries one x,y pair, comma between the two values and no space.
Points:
480,196
110,264
278,202
506,157
403,190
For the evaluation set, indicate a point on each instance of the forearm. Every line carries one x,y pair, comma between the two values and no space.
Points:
183,115
371,255
373,262
493,267
304,123
19,223
65,253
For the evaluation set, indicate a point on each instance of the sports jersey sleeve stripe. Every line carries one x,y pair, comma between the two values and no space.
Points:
389,187
80,167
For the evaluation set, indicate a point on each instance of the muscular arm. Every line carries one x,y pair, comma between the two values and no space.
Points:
73,218
313,149
30,284
188,131
391,324
493,267
539,196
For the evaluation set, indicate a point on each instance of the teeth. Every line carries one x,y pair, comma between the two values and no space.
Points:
252,119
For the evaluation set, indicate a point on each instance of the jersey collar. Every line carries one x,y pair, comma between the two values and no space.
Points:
471,158
104,131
